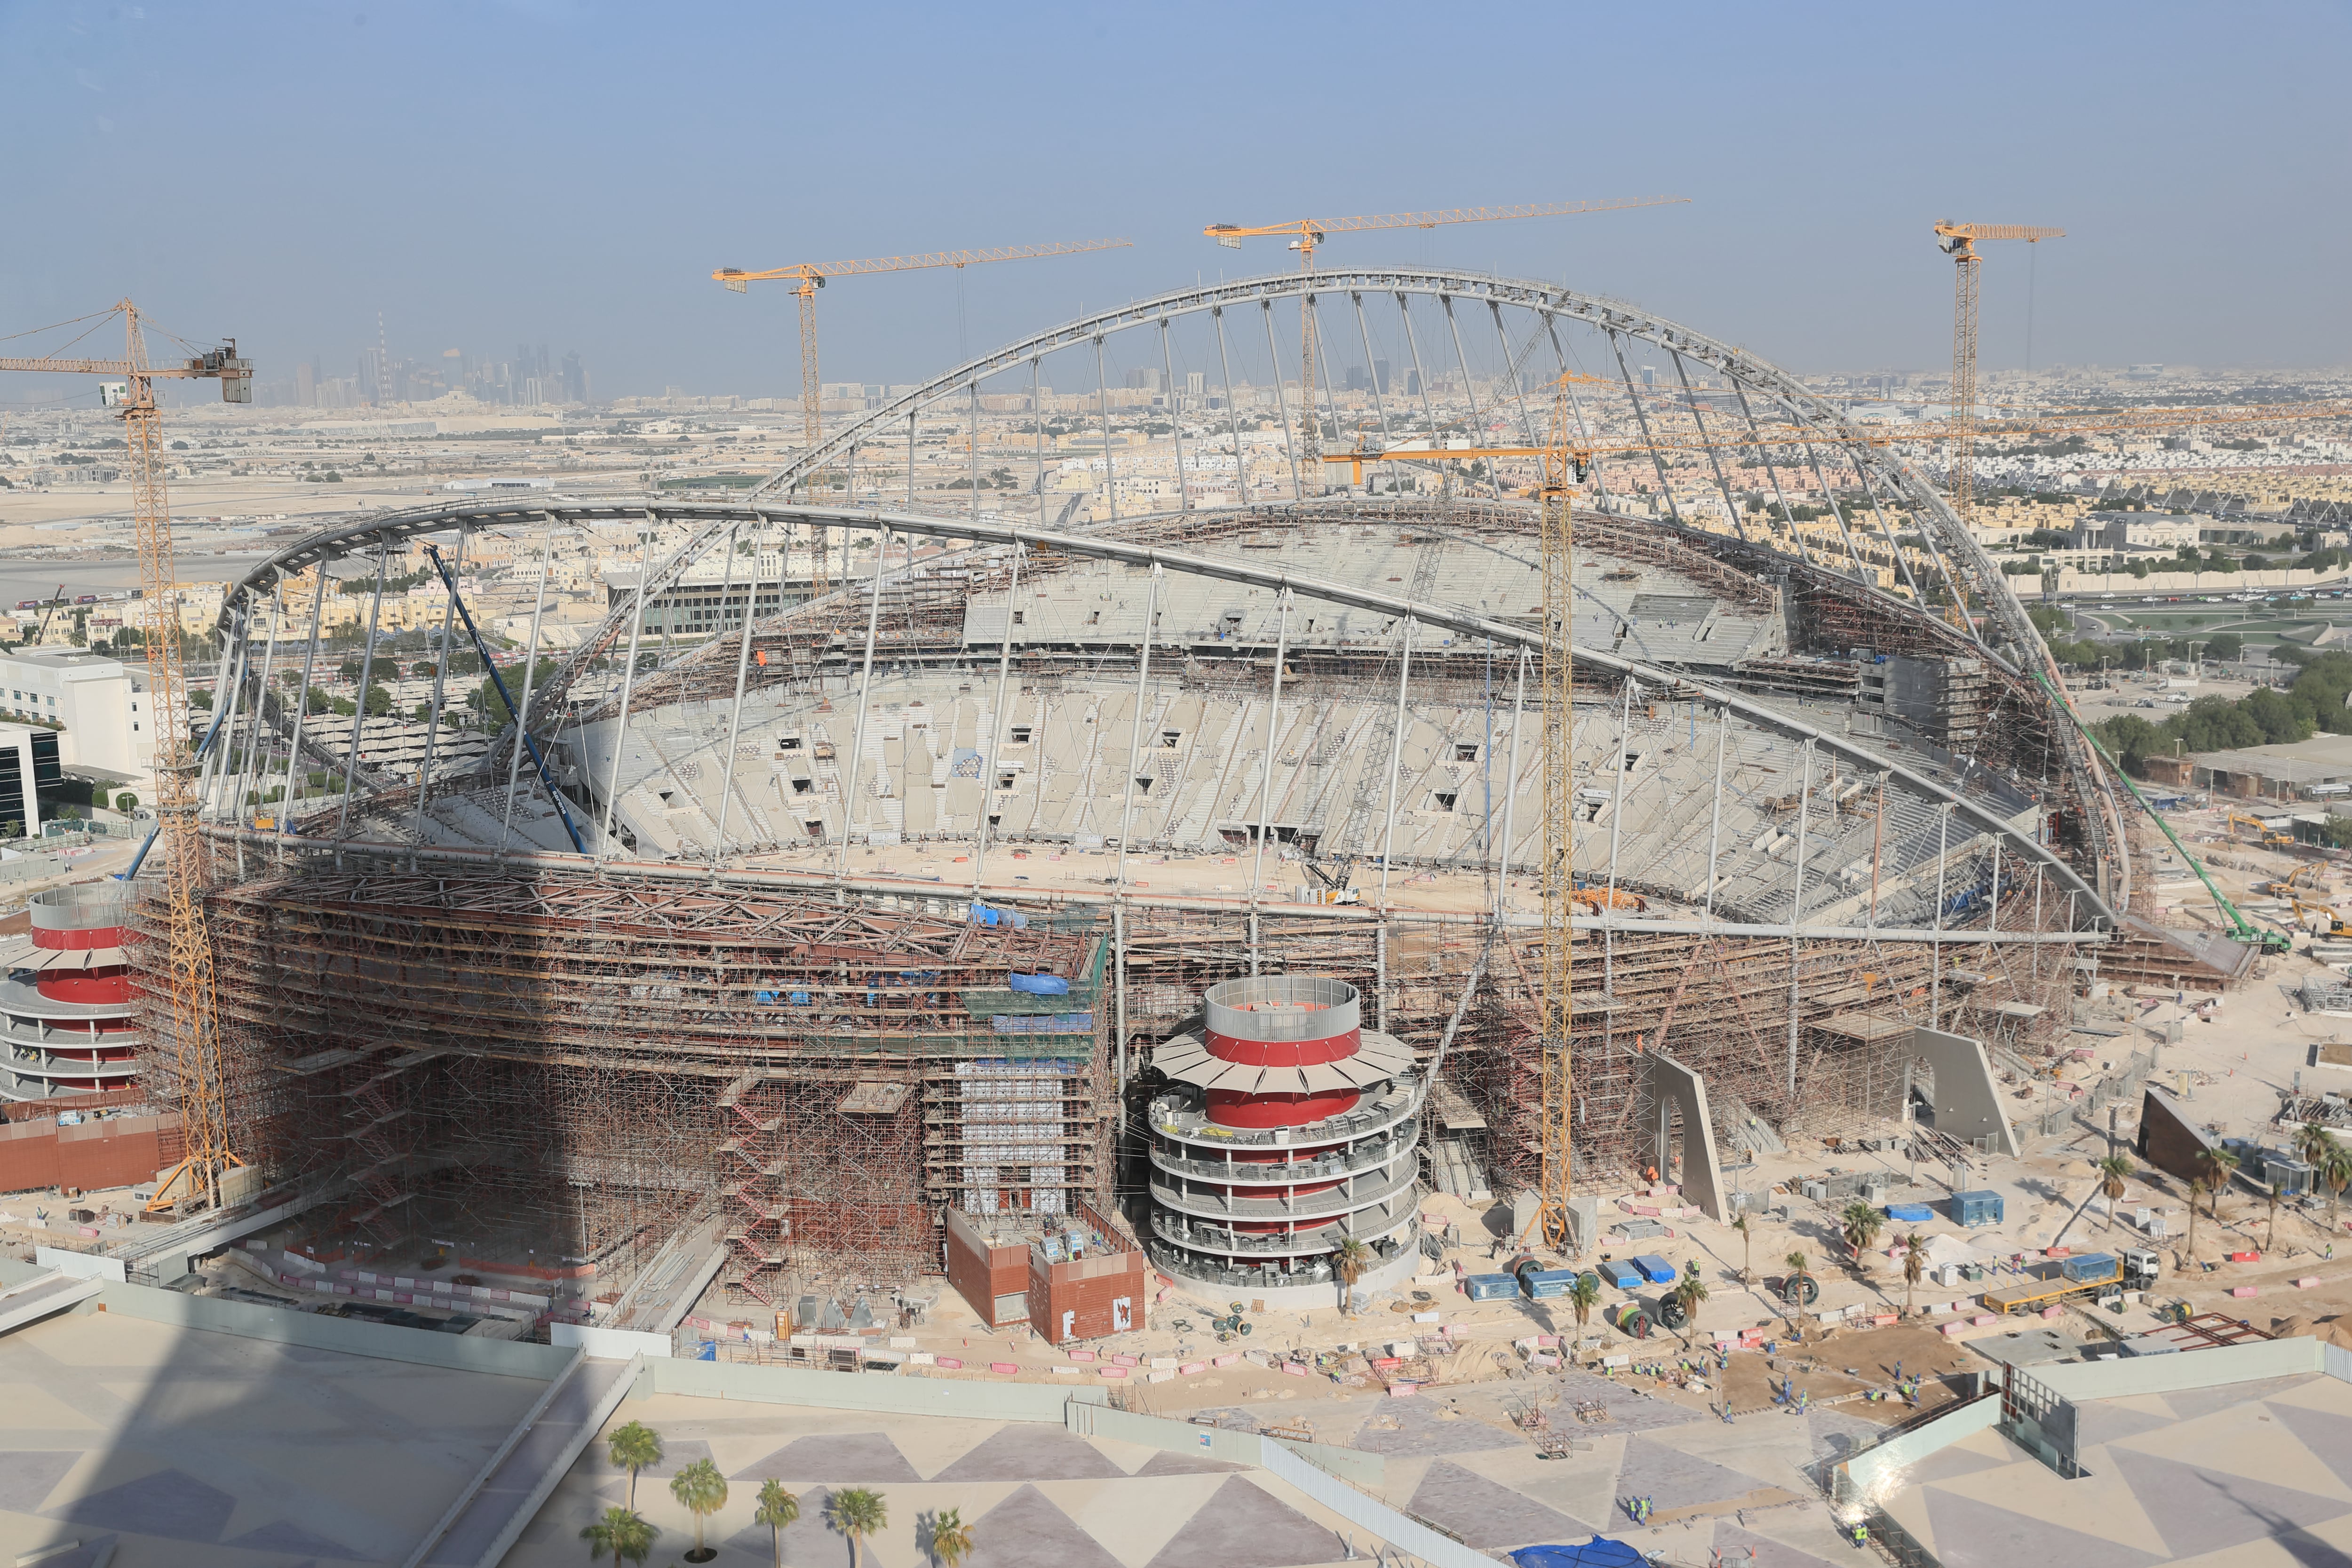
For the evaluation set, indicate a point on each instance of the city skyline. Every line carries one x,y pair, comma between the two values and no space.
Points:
490,218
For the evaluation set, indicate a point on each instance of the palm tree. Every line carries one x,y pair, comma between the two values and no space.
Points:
1792,1287
1349,1261
1690,1290
778,1508
2196,1185
1861,1223
858,1512
701,1491
2113,1172
2313,1143
1747,1246
635,1446
2220,1164
1583,1295
622,1533
1914,1264
950,1538
2337,1173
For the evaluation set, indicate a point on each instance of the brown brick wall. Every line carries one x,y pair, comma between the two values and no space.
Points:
980,1273
1088,1290
117,1152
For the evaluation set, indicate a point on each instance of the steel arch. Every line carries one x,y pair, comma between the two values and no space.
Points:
2017,646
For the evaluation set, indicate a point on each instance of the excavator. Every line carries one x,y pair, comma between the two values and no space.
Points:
2267,835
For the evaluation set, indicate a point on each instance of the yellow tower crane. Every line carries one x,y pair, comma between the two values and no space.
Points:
808,278
187,1020
1306,233
1959,241
1564,467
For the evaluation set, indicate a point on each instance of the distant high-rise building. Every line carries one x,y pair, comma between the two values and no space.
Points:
1412,382
1147,378
375,376
1381,375
1650,375
1196,382
575,379
306,384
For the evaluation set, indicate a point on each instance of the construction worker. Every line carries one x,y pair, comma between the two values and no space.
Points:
1860,1534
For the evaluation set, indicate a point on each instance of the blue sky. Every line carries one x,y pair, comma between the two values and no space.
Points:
569,173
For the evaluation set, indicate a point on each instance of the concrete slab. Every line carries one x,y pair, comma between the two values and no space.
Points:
1242,1526
1487,1514
1031,1453
854,1458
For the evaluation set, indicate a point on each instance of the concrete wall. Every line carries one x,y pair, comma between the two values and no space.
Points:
1871,1469
384,1341
1968,1101
2215,1367
1668,1081
2168,1140
612,1344
897,1394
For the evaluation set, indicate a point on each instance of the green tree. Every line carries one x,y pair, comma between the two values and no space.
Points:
858,1512
1914,1264
1583,1295
635,1448
777,1509
124,801
622,1534
1860,1225
701,1491
201,699
950,1538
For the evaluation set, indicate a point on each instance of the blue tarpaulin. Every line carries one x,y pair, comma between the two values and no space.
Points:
1598,1552
1039,985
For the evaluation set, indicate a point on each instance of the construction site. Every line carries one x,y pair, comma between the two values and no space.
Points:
1645,845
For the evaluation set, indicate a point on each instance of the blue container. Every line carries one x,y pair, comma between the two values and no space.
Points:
1977,1208
1910,1214
1490,1287
1546,1284
1656,1269
1623,1275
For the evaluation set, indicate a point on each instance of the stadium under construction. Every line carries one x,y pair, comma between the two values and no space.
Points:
902,896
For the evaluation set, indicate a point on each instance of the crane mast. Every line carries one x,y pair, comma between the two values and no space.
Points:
185,1016
1958,241
1564,467
808,276
1306,233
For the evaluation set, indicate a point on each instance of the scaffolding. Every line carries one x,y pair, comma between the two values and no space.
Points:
553,1063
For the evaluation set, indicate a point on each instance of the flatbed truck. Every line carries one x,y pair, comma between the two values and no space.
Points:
2092,1274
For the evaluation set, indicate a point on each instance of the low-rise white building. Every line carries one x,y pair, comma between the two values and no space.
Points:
100,706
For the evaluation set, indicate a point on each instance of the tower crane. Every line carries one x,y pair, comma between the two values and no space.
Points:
187,1019
1306,233
1959,241
808,278
1564,467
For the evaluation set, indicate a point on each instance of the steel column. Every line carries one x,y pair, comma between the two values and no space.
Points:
856,773
530,672
996,721
1134,724
1396,756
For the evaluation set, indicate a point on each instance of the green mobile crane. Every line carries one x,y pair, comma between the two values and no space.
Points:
2241,928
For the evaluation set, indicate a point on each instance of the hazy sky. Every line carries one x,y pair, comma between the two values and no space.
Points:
569,174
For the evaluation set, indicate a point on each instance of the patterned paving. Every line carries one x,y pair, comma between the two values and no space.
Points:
2256,1473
